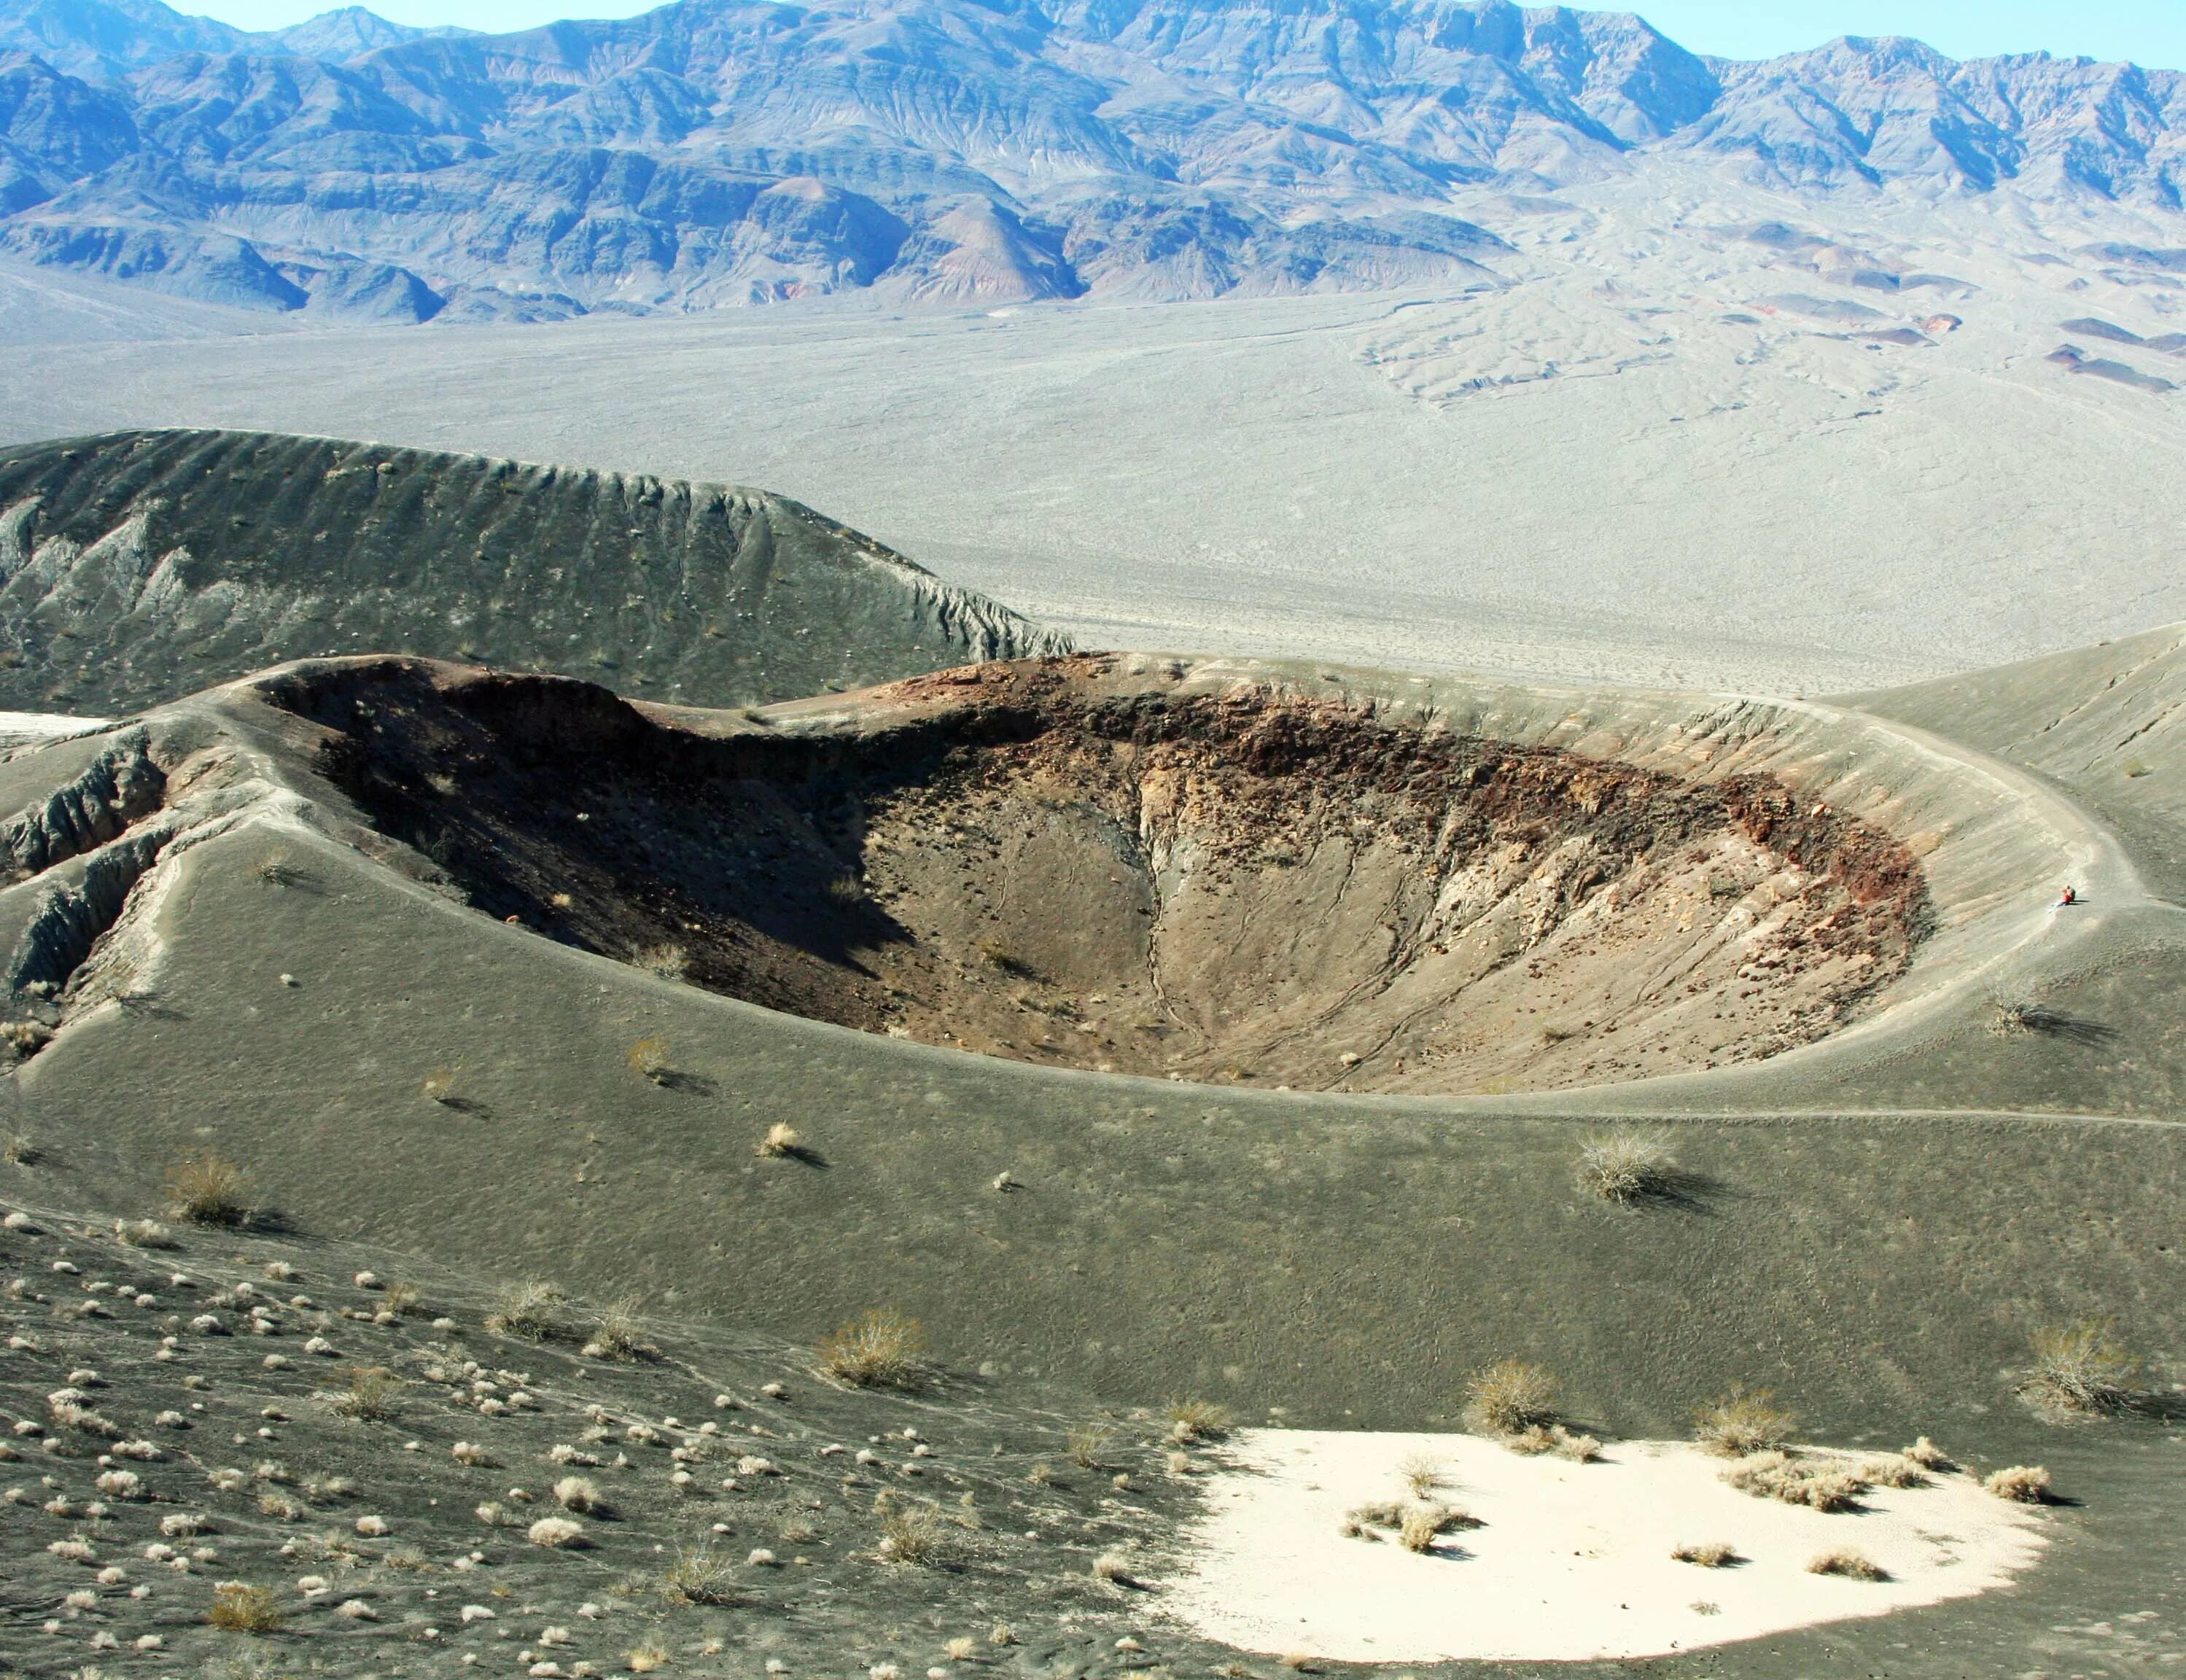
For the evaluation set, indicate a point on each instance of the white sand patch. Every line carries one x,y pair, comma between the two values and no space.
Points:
21,729
1569,1561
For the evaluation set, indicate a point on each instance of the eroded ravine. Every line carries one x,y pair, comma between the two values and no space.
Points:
1248,887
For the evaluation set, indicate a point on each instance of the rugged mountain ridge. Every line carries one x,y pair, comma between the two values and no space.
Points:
139,565
732,151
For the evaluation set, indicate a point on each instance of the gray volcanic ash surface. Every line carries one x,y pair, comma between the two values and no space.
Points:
138,566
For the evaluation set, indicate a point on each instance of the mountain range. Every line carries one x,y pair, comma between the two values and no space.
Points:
726,152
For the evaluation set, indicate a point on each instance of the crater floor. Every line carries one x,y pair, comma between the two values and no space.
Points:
1030,861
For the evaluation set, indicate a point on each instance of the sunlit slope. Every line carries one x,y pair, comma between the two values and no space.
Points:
139,566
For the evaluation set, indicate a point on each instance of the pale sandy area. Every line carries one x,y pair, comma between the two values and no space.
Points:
19,729
1571,1561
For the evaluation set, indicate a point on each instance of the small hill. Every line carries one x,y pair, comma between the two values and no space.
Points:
138,566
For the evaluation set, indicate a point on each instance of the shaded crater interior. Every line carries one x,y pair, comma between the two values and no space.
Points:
1249,888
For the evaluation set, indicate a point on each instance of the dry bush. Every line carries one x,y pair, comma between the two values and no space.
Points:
1851,1565
211,1189
372,1395
1796,1481
1088,1444
1113,1567
670,961
1422,1472
645,1658
555,1532
1509,1397
440,1085
882,1350
2021,1484
532,1310
577,1494
1627,1165
1198,1421
1713,1555
17,1147
1375,1513
916,1533
701,1575
781,1142
1535,1439
240,1608
405,1301
25,1037
649,1056
1891,1469
1423,1524
2081,1369
1929,1456
618,1335
144,1233
1743,1422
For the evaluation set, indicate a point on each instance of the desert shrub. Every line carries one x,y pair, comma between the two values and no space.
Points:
1113,1567
577,1494
1536,1439
1929,1456
1375,1514
2080,1368
1851,1565
916,1533
882,1350
1423,1524
996,955
701,1575
2021,1484
440,1085
405,1300
240,1608
668,961
1198,1421
558,1533
649,1056
211,1189
1713,1554
1422,1472
618,1335
781,1141
371,1396
1509,1397
1744,1421
144,1233
1891,1469
532,1310
1627,1165
1088,1444
645,1658
1796,1481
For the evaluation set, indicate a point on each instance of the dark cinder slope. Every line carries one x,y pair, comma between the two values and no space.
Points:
137,566
240,927
2104,721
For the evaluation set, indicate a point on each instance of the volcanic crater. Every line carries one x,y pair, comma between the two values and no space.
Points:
1040,861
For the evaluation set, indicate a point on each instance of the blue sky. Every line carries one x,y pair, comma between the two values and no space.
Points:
2151,31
